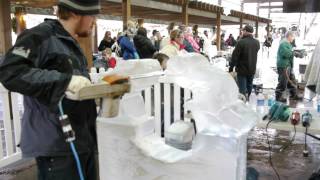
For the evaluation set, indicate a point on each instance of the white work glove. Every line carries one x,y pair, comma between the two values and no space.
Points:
77,82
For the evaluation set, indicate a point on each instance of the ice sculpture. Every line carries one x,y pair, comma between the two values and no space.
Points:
215,103
130,150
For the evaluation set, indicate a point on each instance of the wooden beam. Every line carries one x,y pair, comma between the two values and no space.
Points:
218,36
35,3
260,1
140,22
185,14
270,7
95,39
126,12
269,11
86,46
5,27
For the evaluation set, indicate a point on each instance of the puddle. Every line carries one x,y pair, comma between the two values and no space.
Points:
290,163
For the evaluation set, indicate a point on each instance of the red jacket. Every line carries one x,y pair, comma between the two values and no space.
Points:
112,62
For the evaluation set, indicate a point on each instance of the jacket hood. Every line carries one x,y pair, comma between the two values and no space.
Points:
139,39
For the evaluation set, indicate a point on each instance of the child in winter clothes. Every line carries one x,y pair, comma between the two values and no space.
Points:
111,61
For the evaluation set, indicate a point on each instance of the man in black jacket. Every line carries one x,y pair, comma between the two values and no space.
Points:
143,44
45,63
244,58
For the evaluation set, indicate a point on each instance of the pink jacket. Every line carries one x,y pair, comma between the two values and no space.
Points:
193,42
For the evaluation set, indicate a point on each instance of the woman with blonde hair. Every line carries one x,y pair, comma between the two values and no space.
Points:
176,44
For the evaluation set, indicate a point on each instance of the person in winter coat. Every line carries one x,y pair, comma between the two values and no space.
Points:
128,49
46,65
156,39
222,42
116,46
187,45
109,60
244,58
165,41
175,45
190,38
231,41
286,78
143,45
106,42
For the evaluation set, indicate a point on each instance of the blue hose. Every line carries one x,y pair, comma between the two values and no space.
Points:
76,157
73,148
60,108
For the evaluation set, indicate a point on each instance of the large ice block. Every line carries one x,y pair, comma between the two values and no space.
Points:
122,157
130,150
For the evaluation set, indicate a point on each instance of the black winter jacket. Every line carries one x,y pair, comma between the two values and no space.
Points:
40,66
244,56
105,44
144,46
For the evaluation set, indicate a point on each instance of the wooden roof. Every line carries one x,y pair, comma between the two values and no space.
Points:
164,10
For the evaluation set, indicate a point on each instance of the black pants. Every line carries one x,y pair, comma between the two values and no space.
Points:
283,82
65,168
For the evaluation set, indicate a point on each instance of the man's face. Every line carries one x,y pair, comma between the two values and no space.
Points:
109,34
244,32
85,25
290,38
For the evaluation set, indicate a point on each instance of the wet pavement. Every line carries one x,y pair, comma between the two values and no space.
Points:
290,163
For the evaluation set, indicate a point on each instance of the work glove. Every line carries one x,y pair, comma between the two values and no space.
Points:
77,82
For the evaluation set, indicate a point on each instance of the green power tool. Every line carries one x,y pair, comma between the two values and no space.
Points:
278,112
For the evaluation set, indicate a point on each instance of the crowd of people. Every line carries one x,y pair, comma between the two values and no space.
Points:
134,43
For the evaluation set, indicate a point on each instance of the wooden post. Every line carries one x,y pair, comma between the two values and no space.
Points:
5,27
269,10
140,22
218,36
126,12
185,15
86,46
257,27
268,29
95,39
20,21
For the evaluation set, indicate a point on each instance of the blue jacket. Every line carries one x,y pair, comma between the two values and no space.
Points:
127,48
40,66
